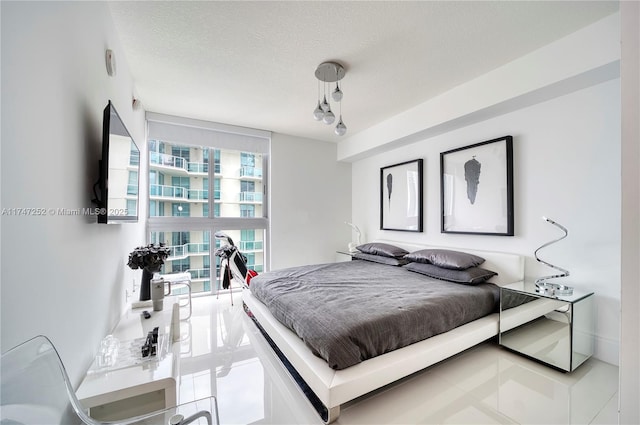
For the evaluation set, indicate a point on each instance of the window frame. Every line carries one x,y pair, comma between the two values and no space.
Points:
218,137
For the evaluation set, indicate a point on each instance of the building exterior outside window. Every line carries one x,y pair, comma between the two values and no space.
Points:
179,201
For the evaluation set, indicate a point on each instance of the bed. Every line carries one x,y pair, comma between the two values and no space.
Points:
336,379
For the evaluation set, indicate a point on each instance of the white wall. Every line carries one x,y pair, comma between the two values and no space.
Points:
566,167
62,276
310,201
630,292
562,105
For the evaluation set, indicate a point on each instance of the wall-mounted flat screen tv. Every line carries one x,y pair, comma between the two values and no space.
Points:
117,201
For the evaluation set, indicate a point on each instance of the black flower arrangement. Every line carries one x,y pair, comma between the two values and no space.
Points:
150,257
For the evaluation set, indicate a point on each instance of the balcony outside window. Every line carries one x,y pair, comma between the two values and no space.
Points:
179,186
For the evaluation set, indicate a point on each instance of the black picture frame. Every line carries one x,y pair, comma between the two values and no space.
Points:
476,188
401,196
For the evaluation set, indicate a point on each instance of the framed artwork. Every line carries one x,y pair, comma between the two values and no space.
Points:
401,196
476,188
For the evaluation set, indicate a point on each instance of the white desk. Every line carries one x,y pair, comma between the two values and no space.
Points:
141,388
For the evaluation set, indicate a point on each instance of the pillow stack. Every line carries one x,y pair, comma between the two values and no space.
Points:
444,264
454,266
382,253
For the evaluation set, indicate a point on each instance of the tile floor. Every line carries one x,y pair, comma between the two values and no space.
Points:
224,355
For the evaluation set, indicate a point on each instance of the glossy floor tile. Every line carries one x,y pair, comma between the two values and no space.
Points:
224,355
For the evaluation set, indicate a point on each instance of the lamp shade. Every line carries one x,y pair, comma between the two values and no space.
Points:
325,105
341,129
337,94
329,117
318,113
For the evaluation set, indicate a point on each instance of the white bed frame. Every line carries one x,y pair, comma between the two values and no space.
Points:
336,387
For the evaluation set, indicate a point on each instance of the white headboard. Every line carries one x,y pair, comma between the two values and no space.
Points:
510,267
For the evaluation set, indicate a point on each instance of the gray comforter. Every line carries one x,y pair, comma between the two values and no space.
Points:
352,311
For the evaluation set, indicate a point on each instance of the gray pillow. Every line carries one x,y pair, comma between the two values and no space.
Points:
445,258
384,249
470,276
392,261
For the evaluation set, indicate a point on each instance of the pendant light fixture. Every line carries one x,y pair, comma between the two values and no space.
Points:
337,93
327,73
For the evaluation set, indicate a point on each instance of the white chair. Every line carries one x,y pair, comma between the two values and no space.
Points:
177,279
35,389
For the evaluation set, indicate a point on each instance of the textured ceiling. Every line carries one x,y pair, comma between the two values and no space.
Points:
252,63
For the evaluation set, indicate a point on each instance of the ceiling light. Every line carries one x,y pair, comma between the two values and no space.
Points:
341,129
337,93
325,105
318,113
329,117
329,72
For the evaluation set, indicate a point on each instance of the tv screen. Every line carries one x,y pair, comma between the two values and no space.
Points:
119,171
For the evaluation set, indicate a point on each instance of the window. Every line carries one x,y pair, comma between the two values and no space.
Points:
134,156
247,186
216,162
216,189
132,185
181,212
180,151
247,211
180,265
156,209
180,209
157,237
156,146
131,204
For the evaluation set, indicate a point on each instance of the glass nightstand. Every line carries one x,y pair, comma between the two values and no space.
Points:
343,255
554,329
